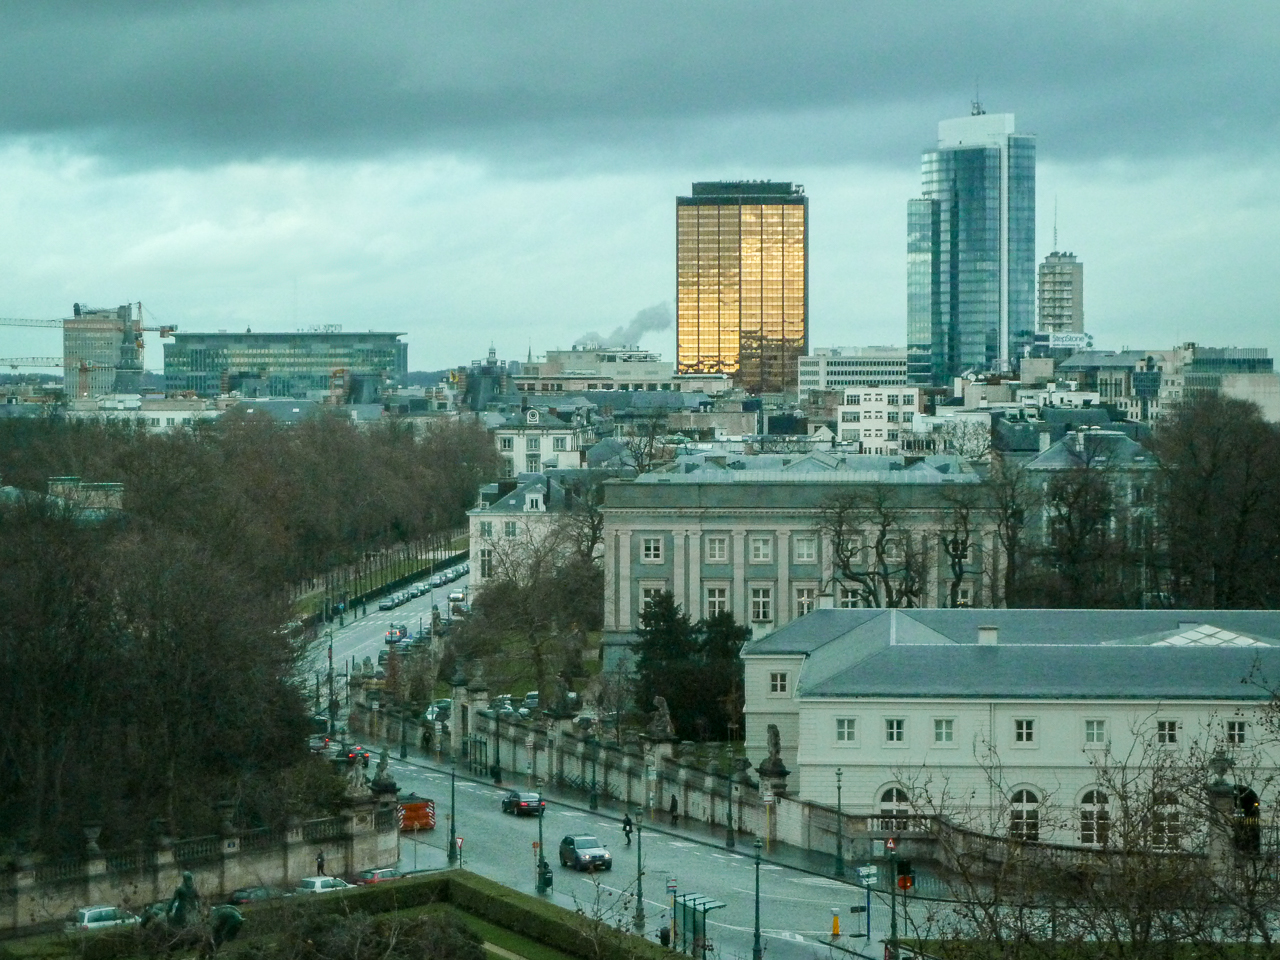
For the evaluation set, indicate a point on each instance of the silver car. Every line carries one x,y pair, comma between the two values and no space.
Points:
99,918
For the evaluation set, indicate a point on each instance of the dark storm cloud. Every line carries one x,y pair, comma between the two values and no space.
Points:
643,83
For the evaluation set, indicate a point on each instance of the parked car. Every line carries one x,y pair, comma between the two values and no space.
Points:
584,852
100,918
256,895
322,884
519,802
386,603
378,876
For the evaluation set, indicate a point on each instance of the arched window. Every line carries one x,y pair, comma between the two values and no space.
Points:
1095,822
1246,825
1024,817
1166,820
894,809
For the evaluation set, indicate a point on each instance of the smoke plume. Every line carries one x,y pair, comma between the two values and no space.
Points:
657,317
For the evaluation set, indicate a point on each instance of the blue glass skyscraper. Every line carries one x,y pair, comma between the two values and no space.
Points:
971,272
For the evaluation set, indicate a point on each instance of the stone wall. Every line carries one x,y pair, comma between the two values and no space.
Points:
364,835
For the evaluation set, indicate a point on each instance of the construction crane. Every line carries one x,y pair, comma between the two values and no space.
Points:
165,330
14,363
83,368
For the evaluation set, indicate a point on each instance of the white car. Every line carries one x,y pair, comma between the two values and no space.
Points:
322,884
99,918
457,596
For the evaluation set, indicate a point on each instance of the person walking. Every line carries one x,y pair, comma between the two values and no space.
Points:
626,827
320,862
675,811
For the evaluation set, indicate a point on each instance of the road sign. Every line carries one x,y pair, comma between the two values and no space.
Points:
890,845
768,799
869,873
458,842
671,885
858,908
535,844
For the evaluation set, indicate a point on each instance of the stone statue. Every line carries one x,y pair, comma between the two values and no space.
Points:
560,705
184,906
356,787
661,727
773,768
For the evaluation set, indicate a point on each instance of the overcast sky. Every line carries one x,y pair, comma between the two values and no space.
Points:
505,173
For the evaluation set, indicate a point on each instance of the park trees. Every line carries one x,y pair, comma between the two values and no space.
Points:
693,665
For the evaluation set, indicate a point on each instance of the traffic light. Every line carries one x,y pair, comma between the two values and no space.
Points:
906,879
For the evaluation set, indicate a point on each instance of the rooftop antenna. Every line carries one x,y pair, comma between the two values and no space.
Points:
975,109
1055,223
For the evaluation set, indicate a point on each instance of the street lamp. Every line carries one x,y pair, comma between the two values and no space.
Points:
453,825
639,921
892,952
544,871
593,801
404,733
756,952
730,840
839,828
496,769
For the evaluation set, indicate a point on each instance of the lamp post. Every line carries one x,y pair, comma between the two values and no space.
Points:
756,952
497,748
544,872
839,828
593,801
404,734
892,952
329,710
729,840
453,825
639,921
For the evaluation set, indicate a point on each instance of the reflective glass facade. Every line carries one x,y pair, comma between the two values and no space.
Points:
971,275
742,282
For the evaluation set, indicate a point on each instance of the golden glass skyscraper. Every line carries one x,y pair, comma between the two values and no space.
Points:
742,282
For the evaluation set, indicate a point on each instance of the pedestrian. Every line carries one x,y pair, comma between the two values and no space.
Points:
675,811
320,862
626,827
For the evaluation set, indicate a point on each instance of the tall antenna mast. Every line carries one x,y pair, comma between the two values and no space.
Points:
1055,223
976,109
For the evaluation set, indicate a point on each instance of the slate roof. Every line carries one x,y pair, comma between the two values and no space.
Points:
820,465
1058,654
1118,449
513,502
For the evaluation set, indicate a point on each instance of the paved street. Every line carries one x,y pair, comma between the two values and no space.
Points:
795,906
366,636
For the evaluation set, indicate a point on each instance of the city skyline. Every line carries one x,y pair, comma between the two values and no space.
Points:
506,179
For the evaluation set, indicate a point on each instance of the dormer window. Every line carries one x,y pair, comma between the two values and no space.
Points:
533,502
531,416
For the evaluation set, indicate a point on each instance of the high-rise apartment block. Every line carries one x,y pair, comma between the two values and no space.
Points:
742,282
1061,294
971,270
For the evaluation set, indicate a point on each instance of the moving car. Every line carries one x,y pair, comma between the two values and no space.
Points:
457,596
519,802
322,885
100,917
584,852
378,876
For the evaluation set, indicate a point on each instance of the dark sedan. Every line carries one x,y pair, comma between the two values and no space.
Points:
518,802
255,895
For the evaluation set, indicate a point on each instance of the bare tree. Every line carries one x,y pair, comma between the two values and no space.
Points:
1013,500
875,553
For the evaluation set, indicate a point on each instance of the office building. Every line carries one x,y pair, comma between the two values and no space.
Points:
742,282
834,369
1061,294
326,365
971,268
591,367
91,349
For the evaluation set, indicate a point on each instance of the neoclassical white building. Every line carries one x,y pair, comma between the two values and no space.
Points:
1021,715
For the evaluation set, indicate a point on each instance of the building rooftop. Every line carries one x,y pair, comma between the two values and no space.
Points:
1050,654
818,467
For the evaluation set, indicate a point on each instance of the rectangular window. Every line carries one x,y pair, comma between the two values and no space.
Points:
532,464
717,600
895,731
944,731
486,529
510,528
486,563
777,683
508,468
806,597
648,595
761,549
846,730
761,604
1166,731
1095,732
1235,732
717,549
1024,731
806,549
533,443
651,549
506,443
848,598
892,416
559,443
